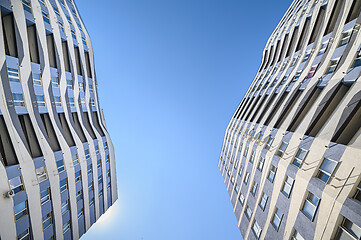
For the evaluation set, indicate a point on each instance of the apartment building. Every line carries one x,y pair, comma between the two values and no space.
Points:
291,155
57,170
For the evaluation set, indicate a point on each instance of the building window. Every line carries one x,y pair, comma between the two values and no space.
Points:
16,184
63,185
21,210
245,151
254,188
251,160
348,230
90,168
108,173
91,202
109,185
40,100
99,163
24,235
277,219
45,196
90,187
357,61
300,156
100,179
47,220
241,199
240,170
287,186
100,193
326,169
256,229
282,148
323,48
71,102
75,159
18,100
80,213
236,188
357,195
332,66
310,206
248,212
345,38
105,146
27,6
77,176
81,87
41,173
66,226
263,201
69,83
107,159
13,75
79,196
296,236
260,164
272,173
97,149
83,39
246,177
87,154
46,17
61,26
306,56
312,71
73,34
69,19
60,165
36,79
57,101
64,207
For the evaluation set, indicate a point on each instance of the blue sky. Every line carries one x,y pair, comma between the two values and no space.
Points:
171,73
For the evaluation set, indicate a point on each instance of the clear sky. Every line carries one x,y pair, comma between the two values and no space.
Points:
171,73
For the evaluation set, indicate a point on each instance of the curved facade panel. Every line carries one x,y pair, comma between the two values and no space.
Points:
291,153
57,170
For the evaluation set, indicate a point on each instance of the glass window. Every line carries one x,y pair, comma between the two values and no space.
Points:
24,235
282,148
254,188
260,164
79,195
287,186
256,229
253,154
248,212
272,173
300,156
60,165
75,159
245,151
44,196
96,149
323,48
240,170
91,202
21,210
46,17
107,159
100,179
18,100
310,206
27,6
263,201
66,226
332,66
65,206
78,176
277,219
90,186
47,220
40,100
41,173
61,26
99,163
345,38
100,193
36,79
73,34
80,213
109,185
16,184
241,199
246,177
71,102
87,154
297,236
63,185
90,166
236,188
348,231
69,83
357,61
57,101
326,169
13,75
312,71
105,146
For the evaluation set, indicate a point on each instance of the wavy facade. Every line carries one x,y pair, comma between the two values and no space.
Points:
57,170
291,153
